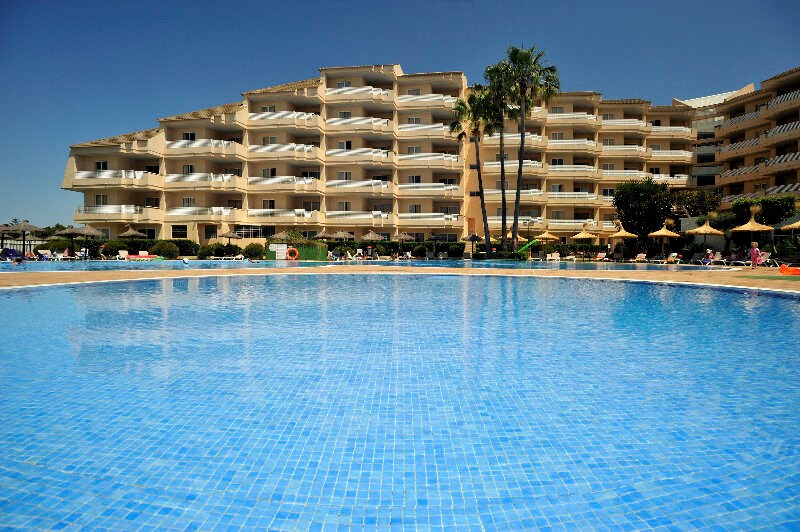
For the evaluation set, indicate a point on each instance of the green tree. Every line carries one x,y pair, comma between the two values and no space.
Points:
774,209
642,206
499,93
695,202
533,82
473,118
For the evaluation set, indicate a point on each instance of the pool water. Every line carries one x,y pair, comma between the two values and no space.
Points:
402,401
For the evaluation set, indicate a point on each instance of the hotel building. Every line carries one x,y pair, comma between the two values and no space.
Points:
368,148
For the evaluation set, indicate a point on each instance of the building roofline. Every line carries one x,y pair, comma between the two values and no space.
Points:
286,87
782,74
205,113
119,139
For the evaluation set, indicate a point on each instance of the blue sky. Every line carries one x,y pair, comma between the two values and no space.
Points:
76,71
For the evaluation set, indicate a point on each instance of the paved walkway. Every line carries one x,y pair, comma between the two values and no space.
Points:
762,278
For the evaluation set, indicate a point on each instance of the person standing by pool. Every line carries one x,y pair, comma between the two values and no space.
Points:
755,255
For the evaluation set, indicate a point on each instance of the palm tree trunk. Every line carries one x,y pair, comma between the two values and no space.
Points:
515,227
483,199
503,208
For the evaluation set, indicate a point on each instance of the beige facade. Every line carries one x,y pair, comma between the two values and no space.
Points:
759,139
369,149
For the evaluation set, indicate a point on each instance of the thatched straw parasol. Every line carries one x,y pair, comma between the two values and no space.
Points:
404,237
322,235
622,234
546,236
791,227
664,234
343,235
753,226
4,230
229,235
131,233
706,229
283,235
372,236
23,228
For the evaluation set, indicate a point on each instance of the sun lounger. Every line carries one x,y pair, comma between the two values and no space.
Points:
554,257
697,258
45,254
672,258
641,257
122,254
600,257
718,259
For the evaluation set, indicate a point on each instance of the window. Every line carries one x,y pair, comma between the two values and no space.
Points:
608,142
449,209
504,154
269,172
383,207
345,114
343,205
345,175
654,170
655,122
311,205
385,178
608,192
583,215
413,92
210,231
584,190
608,217
418,237
188,202
758,187
411,150
500,184
188,135
235,203
556,110
557,136
759,160
416,179
655,146
608,166
533,213
413,120
556,188
345,144
152,202
234,171
343,84
101,165
106,232
448,180
269,140
180,231
101,199
187,168
265,109
556,162
313,174
267,203
412,209
152,168
608,116
557,215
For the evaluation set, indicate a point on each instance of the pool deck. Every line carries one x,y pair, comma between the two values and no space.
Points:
762,278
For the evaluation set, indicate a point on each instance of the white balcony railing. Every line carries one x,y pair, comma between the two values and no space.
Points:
571,143
281,115
671,129
179,178
672,154
363,183
791,126
280,180
427,186
625,148
630,174
674,179
109,209
738,145
625,122
438,128
358,152
784,98
511,138
366,90
738,119
199,211
357,214
444,157
277,148
554,222
572,195
358,121
526,163
427,98
112,174
273,213
571,117
427,216
511,192
572,168
200,143
523,220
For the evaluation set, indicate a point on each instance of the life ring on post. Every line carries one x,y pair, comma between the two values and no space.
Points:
292,254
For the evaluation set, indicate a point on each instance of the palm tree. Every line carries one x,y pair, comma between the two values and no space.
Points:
499,93
532,83
472,117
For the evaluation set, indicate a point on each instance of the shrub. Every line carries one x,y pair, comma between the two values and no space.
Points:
254,251
185,247
455,251
166,249
113,247
419,252
205,251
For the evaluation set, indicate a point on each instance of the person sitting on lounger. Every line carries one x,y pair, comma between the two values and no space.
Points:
708,257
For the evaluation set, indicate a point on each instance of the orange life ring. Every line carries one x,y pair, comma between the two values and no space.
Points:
292,254
789,270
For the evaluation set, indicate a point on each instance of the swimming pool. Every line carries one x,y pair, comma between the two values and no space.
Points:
409,401
98,265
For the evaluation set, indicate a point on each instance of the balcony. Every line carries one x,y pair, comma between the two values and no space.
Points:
360,155
785,102
674,180
117,178
572,170
424,131
203,180
529,167
360,124
627,125
512,139
632,151
205,147
739,123
426,101
116,213
739,149
741,174
561,224
625,174
365,93
428,190
680,132
445,161
572,146
782,133
496,222
495,195
572,119
571,198
671,156
429,219
351,186
284,216
358,218
292,152
285,183
283,119
219,214
782,163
